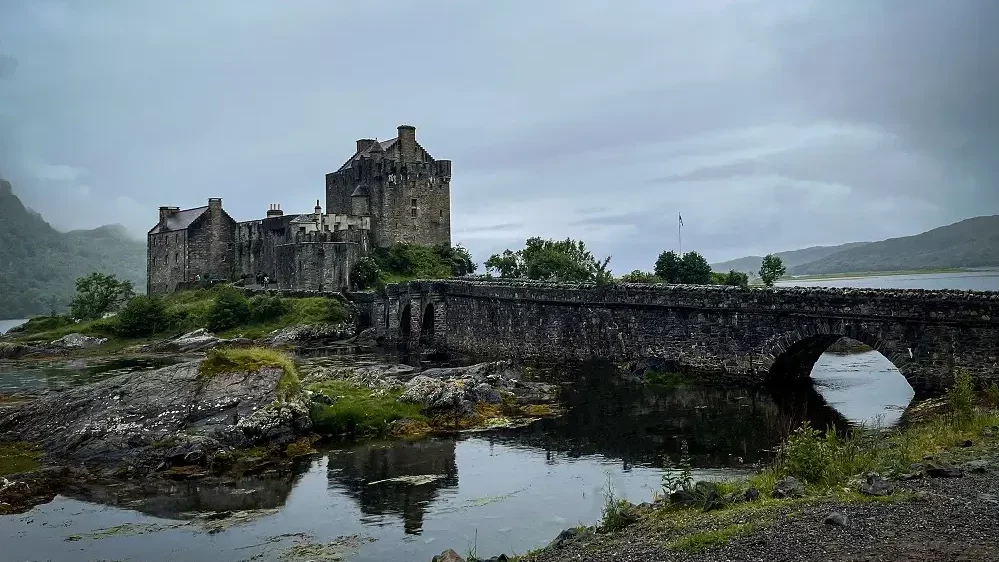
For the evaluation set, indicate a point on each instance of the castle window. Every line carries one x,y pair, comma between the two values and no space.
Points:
440,213
412,212
176,258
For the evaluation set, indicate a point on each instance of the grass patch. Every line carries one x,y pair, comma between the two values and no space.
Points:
239,360
706,540
19,457
358,411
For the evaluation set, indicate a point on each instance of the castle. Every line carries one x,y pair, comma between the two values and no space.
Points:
386,192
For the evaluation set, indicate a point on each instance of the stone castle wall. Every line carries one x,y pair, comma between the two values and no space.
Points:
725,332
211,245
319,261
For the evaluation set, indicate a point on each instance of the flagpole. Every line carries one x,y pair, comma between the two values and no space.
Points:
679,234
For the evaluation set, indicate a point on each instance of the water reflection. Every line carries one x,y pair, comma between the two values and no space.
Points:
379,477
59,374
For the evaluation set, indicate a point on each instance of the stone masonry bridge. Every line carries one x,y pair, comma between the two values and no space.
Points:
751,336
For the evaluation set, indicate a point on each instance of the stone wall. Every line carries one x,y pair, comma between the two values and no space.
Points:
212,244
318,262
166,261
724,332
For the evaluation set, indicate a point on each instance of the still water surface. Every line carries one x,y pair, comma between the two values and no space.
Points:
9,324
508,491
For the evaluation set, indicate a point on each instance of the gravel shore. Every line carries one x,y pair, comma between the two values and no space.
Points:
939,519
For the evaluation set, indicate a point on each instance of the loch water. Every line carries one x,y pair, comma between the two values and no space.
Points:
499,492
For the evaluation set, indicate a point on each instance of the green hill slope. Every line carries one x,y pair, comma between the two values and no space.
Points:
39,265
969,243
791,258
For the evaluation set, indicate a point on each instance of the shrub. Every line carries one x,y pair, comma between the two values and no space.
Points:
617,513
230,309
357,411
266,308
142,316
961,396
365,273
639,276
42,324
806,455
992,394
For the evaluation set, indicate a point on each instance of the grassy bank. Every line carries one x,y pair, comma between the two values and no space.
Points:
222,310
228,360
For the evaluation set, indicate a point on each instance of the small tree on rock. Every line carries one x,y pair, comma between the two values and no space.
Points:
99,293
772,269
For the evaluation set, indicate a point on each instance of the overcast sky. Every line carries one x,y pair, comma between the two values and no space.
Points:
769,125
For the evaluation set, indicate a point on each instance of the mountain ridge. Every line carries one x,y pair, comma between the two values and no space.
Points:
39,265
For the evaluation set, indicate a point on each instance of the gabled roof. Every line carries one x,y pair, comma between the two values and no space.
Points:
360,191
382,146
309,217
180,220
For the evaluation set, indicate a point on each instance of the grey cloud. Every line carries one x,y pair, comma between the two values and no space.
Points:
769,125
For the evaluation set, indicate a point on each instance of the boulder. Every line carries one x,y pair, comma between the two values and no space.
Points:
935,469
789,487
448,556
875,485
436,394
17,351
836,519
198,340
311,332
151,418
77,341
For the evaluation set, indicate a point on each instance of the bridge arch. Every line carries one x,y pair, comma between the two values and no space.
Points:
405,324
428,330
792,355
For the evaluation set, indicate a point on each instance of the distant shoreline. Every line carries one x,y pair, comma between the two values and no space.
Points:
864,274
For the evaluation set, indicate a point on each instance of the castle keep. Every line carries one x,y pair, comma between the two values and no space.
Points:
386,192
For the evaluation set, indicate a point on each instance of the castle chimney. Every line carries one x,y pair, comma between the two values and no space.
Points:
362,144
407,142
319,208
275,211
215,206
164,213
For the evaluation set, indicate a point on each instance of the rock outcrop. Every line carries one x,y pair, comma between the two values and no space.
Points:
77,341
294,335
157,419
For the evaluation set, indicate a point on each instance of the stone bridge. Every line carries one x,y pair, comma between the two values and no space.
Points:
752,336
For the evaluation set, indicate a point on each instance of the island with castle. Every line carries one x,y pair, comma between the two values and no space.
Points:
387,192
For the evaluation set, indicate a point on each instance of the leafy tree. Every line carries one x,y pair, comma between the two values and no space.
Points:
365,273
142,316
669,267
737,279
508,264
412,261
98,294
772,269
694,269
230,309
551,260
639,276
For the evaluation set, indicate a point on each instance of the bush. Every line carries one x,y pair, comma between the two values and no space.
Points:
639,276
230,309
961,396
806,455
365,273
358,411
142,316
266,308
42,324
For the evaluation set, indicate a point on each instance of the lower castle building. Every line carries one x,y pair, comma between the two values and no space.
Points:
386,192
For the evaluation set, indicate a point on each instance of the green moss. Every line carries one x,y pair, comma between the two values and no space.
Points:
358,411
238,360
706,540
19,457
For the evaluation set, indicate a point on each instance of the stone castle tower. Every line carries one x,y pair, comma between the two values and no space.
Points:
405,191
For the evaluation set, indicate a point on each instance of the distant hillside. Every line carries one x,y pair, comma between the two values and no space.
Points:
39,265
969,243
751,264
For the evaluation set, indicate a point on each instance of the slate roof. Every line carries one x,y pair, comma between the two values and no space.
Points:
180,220
360,191
379,146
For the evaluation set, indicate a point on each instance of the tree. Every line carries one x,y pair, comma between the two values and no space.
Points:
639,276
551,260
458,258
507,264
694,269
737,279
669,267
142,316
98,294
772,269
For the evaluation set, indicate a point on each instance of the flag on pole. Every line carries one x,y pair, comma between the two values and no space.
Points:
681,218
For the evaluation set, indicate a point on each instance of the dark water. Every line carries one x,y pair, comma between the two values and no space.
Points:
508,491
56,374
